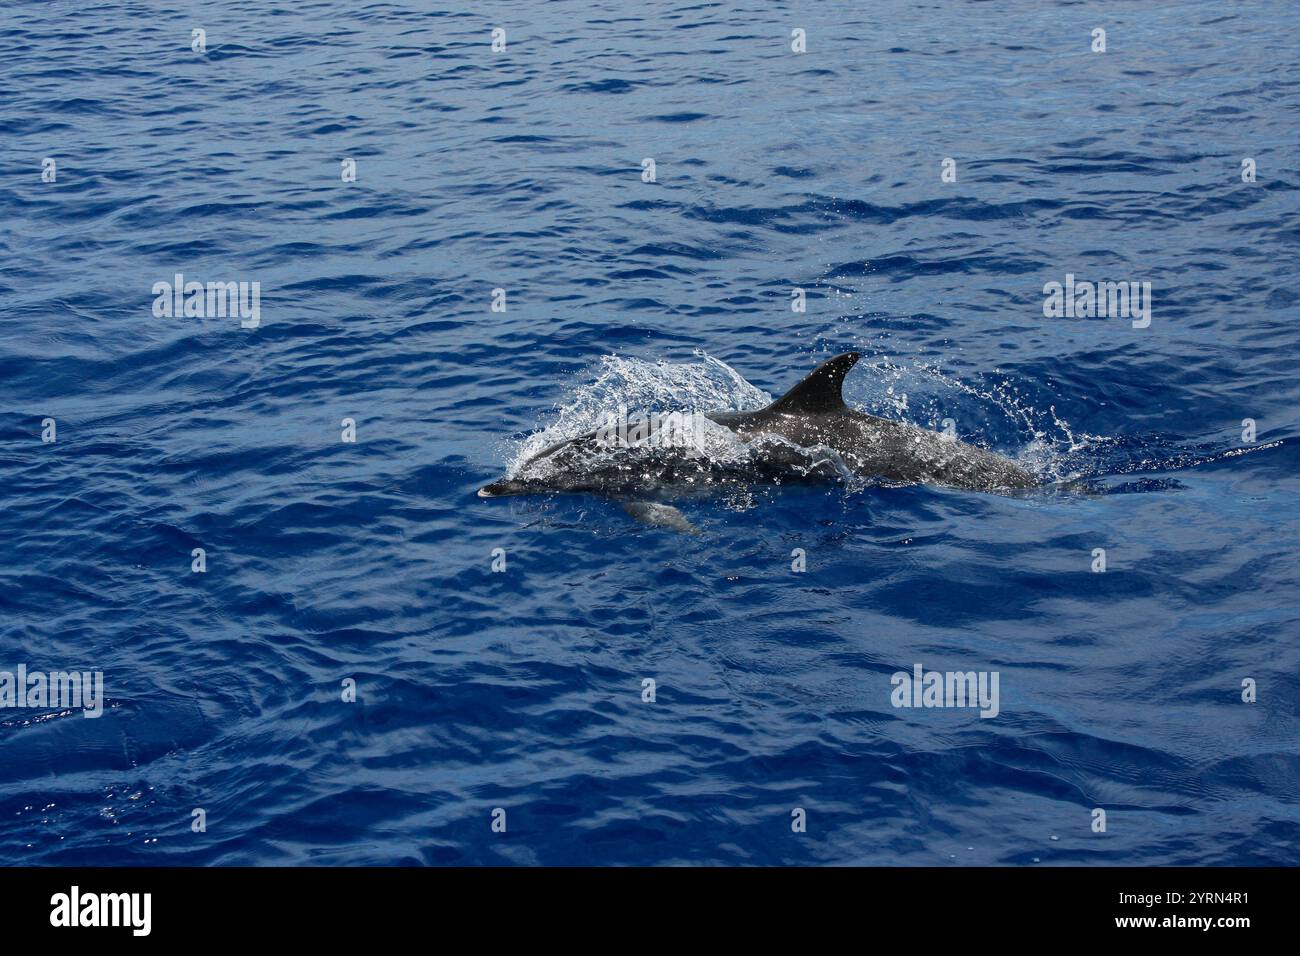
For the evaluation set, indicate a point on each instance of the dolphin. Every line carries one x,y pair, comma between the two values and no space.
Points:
808,434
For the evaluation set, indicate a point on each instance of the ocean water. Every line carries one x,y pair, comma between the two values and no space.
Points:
521,690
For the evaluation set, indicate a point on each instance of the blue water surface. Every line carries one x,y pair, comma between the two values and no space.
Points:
522,690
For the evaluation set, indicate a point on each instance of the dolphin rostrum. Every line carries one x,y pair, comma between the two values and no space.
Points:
806,435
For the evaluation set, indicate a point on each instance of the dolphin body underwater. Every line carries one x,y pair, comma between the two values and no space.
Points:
807,435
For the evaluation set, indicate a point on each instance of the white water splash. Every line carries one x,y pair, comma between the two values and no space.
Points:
996,417
656,387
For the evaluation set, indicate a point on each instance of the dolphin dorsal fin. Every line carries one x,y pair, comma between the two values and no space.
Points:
820,391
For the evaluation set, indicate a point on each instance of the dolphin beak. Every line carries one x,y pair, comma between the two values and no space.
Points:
499,489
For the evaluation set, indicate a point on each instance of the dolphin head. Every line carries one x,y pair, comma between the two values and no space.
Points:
508,486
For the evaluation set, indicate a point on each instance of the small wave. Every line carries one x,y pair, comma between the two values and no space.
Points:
638,385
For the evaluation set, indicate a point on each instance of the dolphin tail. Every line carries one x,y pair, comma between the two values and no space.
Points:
820,392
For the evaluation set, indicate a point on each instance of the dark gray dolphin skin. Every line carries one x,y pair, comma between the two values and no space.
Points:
812,415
